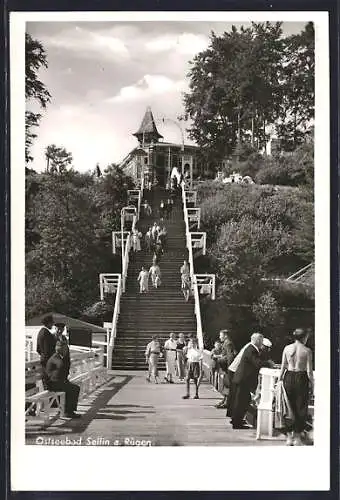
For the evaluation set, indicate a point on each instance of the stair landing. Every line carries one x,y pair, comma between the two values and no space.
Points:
128,409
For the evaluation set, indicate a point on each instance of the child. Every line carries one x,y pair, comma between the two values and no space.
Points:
194,366
143,279
216,353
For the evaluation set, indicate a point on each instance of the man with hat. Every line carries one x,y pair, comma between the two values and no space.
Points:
57,370
46,341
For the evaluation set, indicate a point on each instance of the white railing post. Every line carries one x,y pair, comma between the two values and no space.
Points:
204,243
199,332
122,230
213,287
101,287
113,242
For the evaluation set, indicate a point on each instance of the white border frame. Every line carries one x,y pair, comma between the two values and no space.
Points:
117,469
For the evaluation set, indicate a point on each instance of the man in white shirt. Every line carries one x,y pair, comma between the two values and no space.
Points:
170,349
194,366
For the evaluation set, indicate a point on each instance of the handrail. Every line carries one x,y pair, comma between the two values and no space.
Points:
115,317
125,263
122,278
299,273
199,331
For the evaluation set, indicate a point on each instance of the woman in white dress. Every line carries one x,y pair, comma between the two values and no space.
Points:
170,352
136,241
143,279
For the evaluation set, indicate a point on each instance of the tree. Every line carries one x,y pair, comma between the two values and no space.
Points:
57,159
297,71
233,87
35,90
246,80
69,223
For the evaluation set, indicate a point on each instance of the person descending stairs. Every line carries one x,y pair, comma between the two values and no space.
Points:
159,311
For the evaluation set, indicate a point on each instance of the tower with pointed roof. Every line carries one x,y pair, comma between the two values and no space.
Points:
147,132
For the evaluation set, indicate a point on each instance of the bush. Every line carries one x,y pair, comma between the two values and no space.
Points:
99,313
267,315
296,169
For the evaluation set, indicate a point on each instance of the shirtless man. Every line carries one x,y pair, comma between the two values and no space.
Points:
297,374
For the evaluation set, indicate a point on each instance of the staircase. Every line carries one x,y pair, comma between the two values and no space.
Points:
159,311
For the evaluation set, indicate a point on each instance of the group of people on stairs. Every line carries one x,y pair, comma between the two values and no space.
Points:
155,273
182,358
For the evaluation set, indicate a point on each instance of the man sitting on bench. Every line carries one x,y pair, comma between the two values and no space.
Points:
57,370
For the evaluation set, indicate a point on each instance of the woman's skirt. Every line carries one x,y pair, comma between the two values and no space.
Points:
153,364
193,370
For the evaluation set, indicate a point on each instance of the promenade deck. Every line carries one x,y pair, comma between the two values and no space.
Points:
128,410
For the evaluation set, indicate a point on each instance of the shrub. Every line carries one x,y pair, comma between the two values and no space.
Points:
99,313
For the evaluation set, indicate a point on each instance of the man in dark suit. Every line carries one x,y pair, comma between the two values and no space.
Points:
46,344
227,357
57,370
245,379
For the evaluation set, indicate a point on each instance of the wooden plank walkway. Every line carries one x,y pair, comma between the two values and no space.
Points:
128,411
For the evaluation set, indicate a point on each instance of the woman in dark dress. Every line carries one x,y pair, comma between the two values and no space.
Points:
180,356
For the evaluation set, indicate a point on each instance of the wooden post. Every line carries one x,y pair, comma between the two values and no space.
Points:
204,243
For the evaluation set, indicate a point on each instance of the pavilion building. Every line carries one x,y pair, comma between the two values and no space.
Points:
158,160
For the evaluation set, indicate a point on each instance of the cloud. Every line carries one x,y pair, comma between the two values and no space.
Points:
185,43
86,43
148,86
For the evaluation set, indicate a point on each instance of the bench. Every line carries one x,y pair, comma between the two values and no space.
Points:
85,371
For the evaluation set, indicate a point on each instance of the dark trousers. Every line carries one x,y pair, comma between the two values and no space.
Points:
230,398
296,385
44,376
241,400
71,394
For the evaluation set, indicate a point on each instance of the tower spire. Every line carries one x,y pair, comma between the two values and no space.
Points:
147,131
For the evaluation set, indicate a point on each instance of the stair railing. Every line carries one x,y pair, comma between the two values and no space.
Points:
125,261
126,212
199,331
115,317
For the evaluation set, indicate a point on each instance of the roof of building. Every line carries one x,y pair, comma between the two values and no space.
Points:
148,125
69,322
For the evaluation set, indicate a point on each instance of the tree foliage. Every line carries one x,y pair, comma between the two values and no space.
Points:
35,90
69,220
247,79
57,159
255,232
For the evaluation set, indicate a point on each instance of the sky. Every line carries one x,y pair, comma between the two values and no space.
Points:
103,75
